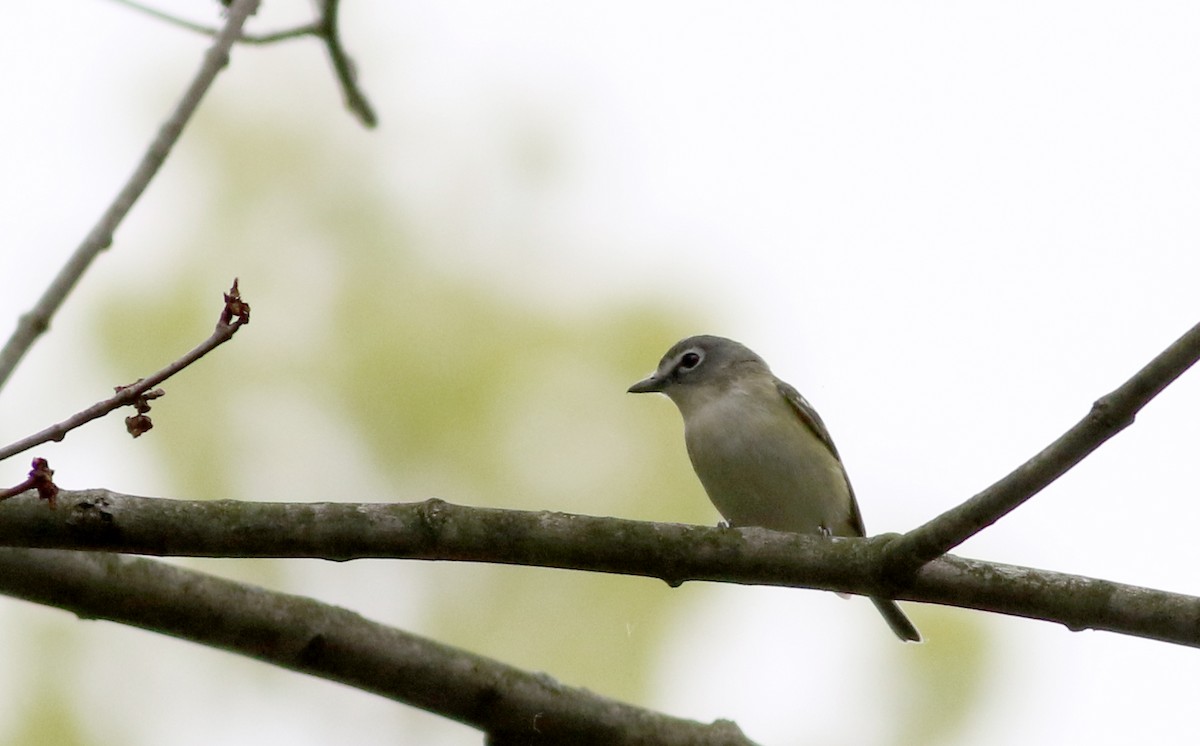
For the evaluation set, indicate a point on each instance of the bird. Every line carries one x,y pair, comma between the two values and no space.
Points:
761,451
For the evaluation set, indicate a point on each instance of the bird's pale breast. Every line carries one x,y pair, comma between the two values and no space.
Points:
762,466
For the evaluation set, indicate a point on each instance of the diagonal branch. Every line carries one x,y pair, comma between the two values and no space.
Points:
511,705
1109,415
343,66
234,315
436,530
36,321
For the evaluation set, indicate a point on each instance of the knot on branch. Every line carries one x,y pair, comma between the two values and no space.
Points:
433,517
92,522
1108,416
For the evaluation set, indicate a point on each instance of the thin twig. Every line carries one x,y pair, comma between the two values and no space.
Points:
343,67
168,18
1109,415
324,28
296,633
308,29
299,32
234,315
36,321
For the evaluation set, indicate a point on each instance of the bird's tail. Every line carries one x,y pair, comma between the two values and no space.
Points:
895,618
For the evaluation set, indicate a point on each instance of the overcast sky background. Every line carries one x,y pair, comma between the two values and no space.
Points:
951,225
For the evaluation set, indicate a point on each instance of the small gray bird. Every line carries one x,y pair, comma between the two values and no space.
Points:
762,453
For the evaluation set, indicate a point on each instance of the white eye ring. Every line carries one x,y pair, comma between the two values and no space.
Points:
689,360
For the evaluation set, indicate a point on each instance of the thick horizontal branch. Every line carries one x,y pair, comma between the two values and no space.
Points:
300,634
435,530
1078,603
1109,415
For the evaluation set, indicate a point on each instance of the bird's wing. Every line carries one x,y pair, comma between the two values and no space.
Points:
813,421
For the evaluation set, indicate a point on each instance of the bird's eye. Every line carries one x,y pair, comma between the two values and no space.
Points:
689,360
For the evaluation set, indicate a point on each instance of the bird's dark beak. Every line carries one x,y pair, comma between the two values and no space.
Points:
648,385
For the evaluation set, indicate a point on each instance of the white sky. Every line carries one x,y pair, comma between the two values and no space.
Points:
952,225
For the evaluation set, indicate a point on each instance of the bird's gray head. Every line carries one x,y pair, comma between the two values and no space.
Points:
698,361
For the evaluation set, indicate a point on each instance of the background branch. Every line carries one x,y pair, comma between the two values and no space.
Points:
333,643
436,530
343,66
36,321
1109,415
324,28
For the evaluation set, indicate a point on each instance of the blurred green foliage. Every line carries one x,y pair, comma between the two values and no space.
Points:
45,716
941,681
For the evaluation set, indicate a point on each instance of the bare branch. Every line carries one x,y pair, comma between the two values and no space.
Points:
234,315
1078,603
324,28
435,530
36,321
1109,415
309,29
344,68
168,18
299,32
303,635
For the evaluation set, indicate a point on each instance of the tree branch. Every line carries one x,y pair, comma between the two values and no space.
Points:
324,28
436,530
303,635
343,66
309,29
234,315
1109,415
36,321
